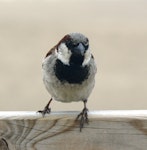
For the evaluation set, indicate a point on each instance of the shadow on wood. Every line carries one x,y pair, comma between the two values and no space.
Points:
107,130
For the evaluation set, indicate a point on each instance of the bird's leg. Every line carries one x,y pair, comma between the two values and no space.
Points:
83,116
46,109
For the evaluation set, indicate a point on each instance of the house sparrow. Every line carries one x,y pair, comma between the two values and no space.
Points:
69,71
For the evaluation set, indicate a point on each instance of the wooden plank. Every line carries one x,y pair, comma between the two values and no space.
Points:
107,130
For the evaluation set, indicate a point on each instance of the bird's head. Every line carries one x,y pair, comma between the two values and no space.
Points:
73,49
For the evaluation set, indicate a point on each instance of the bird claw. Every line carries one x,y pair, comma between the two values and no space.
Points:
83,118
46,110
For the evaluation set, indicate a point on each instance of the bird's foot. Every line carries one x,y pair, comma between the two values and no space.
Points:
46,109
83,118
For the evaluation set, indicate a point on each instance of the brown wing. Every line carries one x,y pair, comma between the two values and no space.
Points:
63,40
51,51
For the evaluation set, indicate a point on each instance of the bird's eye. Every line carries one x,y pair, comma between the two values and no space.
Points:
75,44
86,45
69,44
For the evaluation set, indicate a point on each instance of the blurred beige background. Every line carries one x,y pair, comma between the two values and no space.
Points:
117,30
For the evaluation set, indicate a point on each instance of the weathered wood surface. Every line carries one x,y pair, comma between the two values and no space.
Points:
107,130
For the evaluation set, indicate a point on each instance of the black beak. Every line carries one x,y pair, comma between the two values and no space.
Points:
79,49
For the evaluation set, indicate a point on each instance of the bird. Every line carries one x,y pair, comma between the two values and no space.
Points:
69,72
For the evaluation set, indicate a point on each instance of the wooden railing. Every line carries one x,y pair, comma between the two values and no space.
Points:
107,130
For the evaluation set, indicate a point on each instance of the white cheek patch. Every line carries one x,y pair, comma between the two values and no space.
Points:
63,53
87,58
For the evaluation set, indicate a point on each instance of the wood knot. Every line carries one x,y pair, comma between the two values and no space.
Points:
3,144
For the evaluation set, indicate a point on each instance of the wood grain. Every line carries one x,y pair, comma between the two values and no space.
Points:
107,130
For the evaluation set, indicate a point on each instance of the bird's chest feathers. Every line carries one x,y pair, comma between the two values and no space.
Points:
73,73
